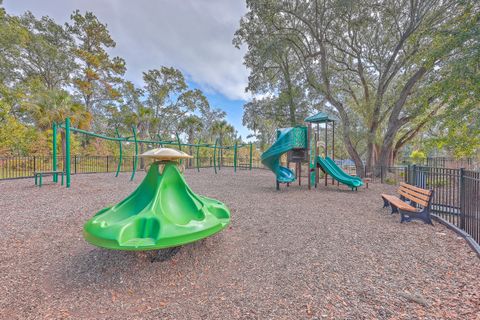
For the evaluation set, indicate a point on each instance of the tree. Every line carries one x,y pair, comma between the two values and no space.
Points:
273,67
98,75
364,58
45,52
170,98
209,116
12,35
49,72
45,106
191,125
222,129
456,89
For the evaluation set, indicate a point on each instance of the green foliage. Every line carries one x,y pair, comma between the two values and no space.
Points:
50,71
418,156
373,63
98,75
45,52
224,131
457,128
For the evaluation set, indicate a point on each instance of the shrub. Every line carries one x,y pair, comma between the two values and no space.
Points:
418,157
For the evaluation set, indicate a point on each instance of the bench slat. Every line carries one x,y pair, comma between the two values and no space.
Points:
413,198
415,194
417,189
399,203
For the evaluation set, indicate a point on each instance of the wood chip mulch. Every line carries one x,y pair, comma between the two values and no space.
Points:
328,253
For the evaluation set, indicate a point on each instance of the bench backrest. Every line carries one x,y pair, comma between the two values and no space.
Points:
415,194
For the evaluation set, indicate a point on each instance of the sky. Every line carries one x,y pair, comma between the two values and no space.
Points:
194,36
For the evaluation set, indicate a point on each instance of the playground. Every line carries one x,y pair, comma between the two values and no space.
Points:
294,254
252,160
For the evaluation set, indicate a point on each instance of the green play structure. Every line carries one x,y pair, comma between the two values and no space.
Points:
301,144
67,159
287,139
163,212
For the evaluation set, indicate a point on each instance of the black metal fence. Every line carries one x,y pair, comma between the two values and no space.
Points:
24,167
452,163
443,162
456,196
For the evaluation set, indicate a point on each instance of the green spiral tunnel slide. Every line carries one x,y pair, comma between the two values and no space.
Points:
287,139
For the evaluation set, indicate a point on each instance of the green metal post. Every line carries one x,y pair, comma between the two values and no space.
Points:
135,159
220,154
178,141
235,157
198,156
179,147
54,151
120,156
67,150
251,153
160,139
215,156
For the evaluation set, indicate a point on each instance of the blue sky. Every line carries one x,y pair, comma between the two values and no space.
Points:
194,36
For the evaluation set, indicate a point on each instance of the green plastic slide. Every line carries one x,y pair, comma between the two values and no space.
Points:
340,171
330,167
162,212
271,158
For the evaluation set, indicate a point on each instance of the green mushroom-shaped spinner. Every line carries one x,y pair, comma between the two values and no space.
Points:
162,212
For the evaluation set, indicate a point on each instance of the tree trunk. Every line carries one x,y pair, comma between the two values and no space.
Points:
371,142
387,147
360,170
394,155
394,122
292,109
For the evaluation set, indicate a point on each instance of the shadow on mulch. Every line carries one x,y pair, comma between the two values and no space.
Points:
103,266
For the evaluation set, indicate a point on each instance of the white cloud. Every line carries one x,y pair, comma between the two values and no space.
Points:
192,35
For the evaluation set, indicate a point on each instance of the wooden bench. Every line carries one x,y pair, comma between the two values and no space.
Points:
39,176
417,207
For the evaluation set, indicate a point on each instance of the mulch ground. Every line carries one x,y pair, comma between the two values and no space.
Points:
295,254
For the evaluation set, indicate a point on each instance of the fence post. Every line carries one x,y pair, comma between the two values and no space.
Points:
235,157
75,164
462,198
54,151
414,175
34,163
107,164
135,157
67,151
251,153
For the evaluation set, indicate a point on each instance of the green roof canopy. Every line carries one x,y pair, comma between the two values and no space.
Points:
320,118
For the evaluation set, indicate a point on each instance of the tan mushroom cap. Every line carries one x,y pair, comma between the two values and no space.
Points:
165,154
